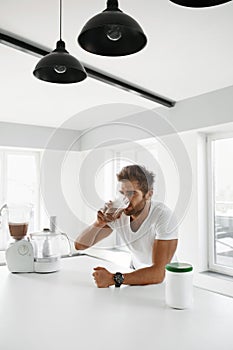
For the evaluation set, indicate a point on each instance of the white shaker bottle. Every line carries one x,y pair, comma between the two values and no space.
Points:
179,285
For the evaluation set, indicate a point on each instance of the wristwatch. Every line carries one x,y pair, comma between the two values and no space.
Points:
118,279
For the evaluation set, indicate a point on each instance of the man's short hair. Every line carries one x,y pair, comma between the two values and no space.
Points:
139,173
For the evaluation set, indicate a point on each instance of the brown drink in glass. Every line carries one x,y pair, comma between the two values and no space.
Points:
18,219
18,230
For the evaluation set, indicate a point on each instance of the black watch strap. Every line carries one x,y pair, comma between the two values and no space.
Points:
118,279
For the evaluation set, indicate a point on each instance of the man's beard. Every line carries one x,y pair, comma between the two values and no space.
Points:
135,211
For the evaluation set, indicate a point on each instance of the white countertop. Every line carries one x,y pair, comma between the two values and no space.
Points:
65,310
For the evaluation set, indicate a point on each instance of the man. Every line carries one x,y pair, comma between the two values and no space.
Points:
145,226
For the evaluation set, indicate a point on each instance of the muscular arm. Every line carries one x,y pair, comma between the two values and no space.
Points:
163,251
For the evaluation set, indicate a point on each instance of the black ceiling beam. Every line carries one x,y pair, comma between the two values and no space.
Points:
31,48
129,87
22,45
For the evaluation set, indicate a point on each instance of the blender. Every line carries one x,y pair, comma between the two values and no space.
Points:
19,254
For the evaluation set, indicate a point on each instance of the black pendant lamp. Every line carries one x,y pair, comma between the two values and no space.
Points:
59,66
199,3
112,33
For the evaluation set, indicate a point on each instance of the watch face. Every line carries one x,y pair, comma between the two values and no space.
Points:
118,278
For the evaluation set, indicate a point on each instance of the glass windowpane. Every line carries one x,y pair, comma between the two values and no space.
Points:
223,198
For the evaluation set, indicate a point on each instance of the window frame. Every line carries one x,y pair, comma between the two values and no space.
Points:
212,265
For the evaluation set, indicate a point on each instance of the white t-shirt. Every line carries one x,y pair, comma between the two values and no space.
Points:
159,224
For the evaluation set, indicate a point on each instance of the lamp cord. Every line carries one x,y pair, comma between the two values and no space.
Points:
60,17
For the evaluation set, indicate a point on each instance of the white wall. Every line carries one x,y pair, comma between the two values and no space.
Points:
29,136
207,110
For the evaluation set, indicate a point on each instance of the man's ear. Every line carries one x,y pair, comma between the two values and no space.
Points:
149,194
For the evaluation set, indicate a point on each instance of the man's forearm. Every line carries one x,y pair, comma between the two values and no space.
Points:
91,235
147,275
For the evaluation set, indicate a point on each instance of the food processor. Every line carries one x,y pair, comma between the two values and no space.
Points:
46,244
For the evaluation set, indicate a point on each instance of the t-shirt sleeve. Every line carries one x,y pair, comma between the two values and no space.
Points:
166,225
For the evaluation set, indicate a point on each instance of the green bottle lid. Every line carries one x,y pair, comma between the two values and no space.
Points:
179,267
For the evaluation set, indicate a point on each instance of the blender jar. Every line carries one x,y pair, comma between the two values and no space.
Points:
18,219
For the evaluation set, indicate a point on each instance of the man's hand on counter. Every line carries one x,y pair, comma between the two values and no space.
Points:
103,278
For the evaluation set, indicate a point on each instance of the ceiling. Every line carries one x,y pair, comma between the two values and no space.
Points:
189,53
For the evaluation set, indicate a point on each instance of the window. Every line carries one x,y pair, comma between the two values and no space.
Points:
220,200
19,177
